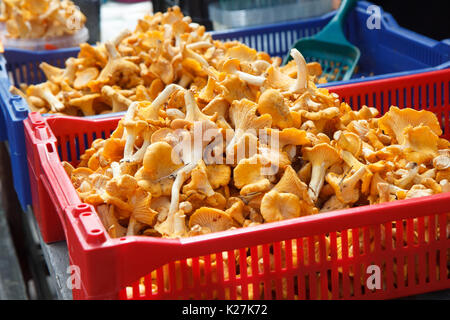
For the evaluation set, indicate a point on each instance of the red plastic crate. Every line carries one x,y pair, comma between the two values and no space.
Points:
292,259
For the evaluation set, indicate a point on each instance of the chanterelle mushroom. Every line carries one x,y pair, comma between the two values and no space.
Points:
321,156
301,82
141,212
276,206
421,144
133,128
442,161
160,161
243,118
85,103
417,191
117,66
396,120
152,111
291,183
117,101
249,176
46,91
32,19
199,181
346,187
210,220
233,66
272,102
109,220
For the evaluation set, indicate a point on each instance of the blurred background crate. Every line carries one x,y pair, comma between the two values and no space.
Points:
229,14
91,9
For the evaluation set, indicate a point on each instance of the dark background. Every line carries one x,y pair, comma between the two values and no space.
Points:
429,17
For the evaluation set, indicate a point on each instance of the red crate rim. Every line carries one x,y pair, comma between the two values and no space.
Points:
88,241
363,215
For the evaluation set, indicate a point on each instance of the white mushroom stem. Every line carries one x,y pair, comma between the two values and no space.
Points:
122,35
205,36
138,156
419,178
71,69
179,224
55,104
112,51
441,162
362,128
191,160
130,136
260,65
367,152
131,112
177,41
313,105
168,30
193,144
152,111
317,180
115,169
250,79
445,185
129,147
429,174
199,45
193,112
302,72
173,51
413,171
238,134
386,189
182,176
175,113
211,72
353,180
193,55
132,224
184,80
183,148
193,25
247,77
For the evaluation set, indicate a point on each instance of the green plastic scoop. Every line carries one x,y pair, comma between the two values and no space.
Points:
330,48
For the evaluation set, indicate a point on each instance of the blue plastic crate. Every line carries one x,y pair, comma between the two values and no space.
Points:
14,111
385,52
3,82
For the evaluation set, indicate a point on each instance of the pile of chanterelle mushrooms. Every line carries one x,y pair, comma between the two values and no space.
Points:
272,146
165,48
33,19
